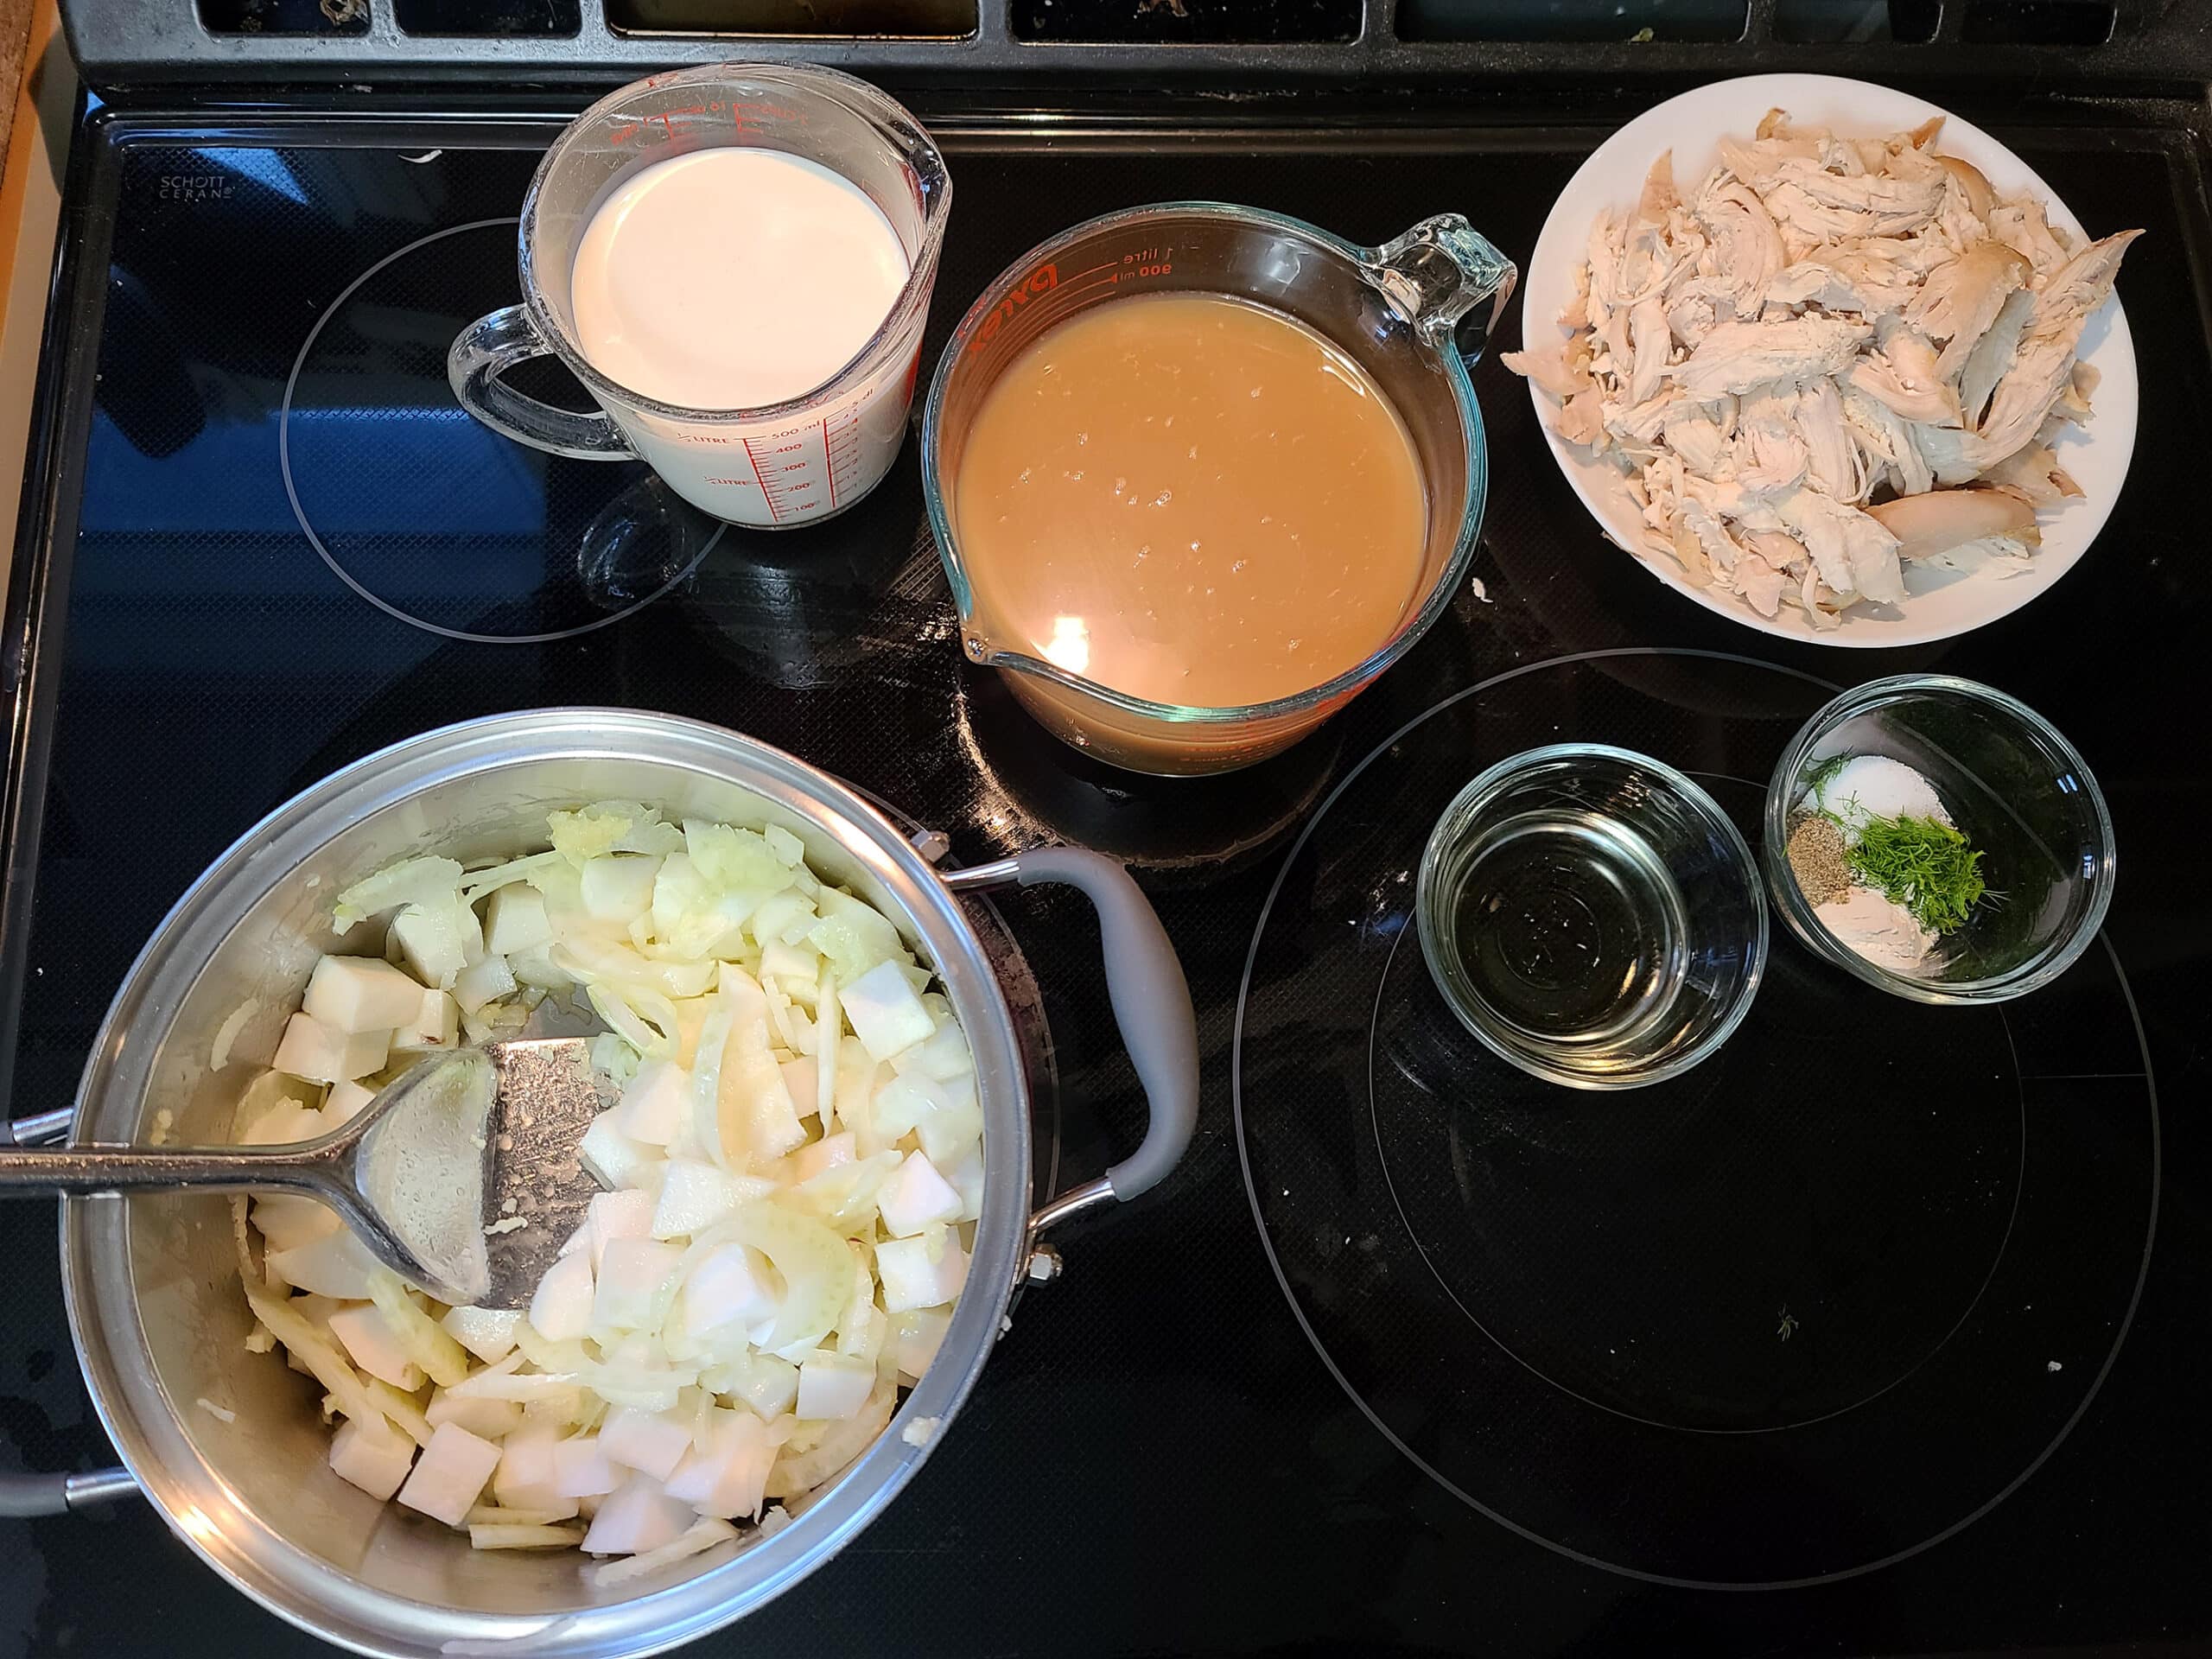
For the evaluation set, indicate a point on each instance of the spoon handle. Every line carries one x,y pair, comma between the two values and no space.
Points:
123,1169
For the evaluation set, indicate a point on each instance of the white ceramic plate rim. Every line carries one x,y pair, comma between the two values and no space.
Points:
1940,604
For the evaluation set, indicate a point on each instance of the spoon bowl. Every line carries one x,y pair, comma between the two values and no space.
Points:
463,1176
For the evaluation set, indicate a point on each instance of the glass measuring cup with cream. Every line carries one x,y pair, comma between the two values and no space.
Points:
1198,472
736,262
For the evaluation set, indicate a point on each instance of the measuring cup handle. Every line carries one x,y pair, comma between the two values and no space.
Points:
1437,272
487,349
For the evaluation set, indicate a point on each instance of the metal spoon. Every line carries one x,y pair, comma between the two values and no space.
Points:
462,1176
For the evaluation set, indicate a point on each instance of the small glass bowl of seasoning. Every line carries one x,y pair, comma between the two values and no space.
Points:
1940,840
1592,916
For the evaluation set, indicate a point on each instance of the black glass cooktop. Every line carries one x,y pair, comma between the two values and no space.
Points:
1320,1393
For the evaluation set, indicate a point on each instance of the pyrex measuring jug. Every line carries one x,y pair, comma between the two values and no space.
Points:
1405,311
790,463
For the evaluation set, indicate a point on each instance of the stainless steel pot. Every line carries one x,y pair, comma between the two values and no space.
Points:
152,1284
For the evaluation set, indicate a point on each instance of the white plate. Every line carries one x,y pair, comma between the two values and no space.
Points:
1940,603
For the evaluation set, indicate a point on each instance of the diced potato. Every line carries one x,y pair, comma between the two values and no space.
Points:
828,1152
884,1014
916,1197
693,1196
617,887
627,1214
290,1222
942,1056
765,1383
580,1469
358,994
727,1286
613,1158
653,1443
372,1454
347,1101
725,1474
833,1386
437,941
916,1335
912,1277
486,980
525,1476
312,1050
640,1516
435,1023
967,1178
372,1344
449,1474
486,1332
514,919
561,1309
658,1104
490,1420
338,1264
787,1150
284,1124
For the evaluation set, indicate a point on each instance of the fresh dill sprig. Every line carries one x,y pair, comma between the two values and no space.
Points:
1817,779
1922,863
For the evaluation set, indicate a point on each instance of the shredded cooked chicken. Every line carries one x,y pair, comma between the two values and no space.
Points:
1801,366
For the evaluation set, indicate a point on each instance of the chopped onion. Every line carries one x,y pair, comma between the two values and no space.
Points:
791,1076
506,1536
701,1536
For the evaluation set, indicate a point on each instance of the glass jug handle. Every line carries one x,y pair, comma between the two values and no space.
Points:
490,347
1437,272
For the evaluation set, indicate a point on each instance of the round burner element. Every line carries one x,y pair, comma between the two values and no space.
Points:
435,518
1801,1312
1662,1256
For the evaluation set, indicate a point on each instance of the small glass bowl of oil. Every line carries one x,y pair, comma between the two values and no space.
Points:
1592,916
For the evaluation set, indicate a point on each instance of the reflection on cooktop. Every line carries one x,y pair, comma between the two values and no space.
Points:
1787,1317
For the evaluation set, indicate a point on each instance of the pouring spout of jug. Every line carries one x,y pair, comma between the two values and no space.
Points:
1436,273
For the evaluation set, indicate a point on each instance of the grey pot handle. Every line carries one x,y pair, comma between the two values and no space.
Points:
487,349
32,1495
1152,1006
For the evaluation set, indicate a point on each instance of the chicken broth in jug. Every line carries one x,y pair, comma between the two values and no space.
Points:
1191,499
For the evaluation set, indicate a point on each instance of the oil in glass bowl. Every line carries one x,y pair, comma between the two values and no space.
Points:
1567,925
1592,916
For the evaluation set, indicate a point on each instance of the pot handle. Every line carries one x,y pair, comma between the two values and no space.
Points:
54,1494
1152,1006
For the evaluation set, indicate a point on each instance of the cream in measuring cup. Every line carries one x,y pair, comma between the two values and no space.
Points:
736,261
734,278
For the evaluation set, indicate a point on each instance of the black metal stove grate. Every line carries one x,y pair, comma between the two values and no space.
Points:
1244,48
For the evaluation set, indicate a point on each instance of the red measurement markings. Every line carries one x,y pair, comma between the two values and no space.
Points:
792,473
775,509
827,465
